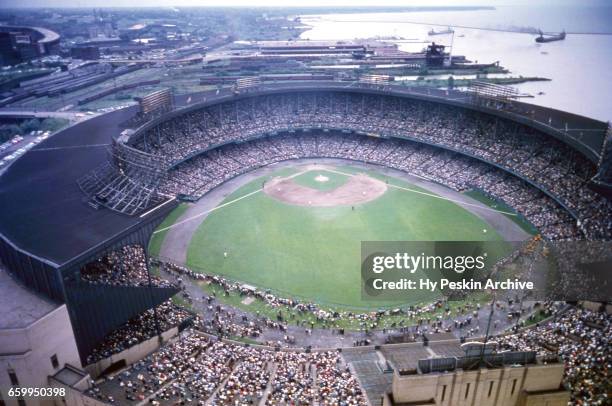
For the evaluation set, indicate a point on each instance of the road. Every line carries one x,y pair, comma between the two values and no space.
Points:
68,115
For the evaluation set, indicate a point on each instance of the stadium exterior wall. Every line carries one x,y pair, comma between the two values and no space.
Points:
27,352
37,273
133,354
506,386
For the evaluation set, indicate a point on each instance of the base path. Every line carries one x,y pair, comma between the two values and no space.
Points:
358,188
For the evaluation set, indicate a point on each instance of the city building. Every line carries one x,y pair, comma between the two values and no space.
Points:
19,44
85,52
440,375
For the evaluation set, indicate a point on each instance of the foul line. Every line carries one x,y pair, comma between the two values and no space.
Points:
454,201
207,211
220,206
170,199
432,195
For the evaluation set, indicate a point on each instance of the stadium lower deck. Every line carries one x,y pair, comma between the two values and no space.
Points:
199,369
200,175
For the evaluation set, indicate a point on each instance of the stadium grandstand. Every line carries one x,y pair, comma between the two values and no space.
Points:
20,44
79,213
534,159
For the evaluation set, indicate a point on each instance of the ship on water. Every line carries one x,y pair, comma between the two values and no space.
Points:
448,30
549,37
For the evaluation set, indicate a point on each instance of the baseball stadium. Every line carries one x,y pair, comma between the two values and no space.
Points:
207,247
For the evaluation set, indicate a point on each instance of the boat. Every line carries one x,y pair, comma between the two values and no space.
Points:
447,31
550,38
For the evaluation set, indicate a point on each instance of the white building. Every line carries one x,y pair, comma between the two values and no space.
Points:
37,345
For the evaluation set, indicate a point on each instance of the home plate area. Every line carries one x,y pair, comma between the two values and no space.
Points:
358,188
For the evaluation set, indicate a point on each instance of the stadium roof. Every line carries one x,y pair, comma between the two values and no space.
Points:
43,210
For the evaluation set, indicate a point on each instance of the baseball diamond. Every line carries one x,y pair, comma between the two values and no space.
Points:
304,241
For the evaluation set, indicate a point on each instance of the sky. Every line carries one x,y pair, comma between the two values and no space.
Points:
280,3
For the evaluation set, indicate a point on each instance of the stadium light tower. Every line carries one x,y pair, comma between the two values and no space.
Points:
486,337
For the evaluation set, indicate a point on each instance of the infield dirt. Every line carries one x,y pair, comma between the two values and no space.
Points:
359,188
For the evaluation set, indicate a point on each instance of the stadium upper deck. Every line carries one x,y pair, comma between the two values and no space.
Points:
581,133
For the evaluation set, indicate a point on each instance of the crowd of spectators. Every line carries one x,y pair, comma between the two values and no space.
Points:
201,377
583,339
124,267
199,369
201,174
293,381
336,385
582,270
539,158
146,325
196,369
248,381
288,308
415,320
151,374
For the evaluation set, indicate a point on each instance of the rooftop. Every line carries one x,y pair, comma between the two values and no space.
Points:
20,306
405,357
44,211
69,375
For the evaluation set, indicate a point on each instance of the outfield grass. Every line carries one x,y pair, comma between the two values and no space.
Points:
260,307
497,205
314,252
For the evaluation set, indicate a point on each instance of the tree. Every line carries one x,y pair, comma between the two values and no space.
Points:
30,125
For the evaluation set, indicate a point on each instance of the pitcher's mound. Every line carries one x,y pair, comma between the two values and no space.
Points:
359,188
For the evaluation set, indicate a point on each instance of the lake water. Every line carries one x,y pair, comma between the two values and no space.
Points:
580,67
